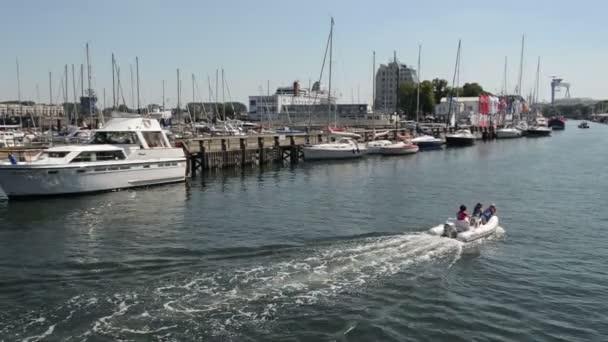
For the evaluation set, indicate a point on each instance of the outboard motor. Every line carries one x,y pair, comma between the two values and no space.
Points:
449,230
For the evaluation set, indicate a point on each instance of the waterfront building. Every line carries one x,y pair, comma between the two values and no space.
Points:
303,106
483,110
38,110
388,78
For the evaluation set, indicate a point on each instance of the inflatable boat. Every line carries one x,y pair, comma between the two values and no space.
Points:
465,232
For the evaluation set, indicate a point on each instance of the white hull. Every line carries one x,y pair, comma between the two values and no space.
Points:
398,149
470,235
83,178
374,147
508,133
332,154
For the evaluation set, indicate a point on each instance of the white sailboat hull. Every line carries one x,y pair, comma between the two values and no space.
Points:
332,154
60,180
508,133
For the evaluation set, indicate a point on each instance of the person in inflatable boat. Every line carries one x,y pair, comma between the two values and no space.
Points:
462,214
488,213
476,217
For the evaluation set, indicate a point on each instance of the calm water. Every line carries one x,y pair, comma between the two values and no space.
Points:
323,252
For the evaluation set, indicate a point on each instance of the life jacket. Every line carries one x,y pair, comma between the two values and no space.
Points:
462,215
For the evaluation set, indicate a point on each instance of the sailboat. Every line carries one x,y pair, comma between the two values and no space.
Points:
462,137
346,147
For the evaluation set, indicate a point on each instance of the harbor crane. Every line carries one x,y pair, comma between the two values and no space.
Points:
556,85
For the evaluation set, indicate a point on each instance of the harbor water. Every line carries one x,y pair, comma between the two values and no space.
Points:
323,252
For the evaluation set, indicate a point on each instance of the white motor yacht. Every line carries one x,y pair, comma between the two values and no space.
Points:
344,148
427,142
127,152
462,137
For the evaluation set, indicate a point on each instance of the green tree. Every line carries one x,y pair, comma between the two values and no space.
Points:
407,98
440,89
427,97
472,90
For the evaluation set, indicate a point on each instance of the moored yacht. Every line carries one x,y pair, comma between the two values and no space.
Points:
373,147
344,148
399,148
508,133
427,142
127,152
462,137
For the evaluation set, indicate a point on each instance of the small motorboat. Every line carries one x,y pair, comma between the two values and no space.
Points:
557,123
373,147
463,231
538,131
583,124
427,142
398,149
462,137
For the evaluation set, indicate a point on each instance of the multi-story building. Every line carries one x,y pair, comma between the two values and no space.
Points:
15,110
388,78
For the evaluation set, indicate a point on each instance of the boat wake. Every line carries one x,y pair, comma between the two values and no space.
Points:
221,302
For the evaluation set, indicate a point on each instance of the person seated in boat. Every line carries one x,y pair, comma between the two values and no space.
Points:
462,220
462,214
488,213
476,217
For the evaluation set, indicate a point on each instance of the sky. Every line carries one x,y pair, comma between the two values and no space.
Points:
276,42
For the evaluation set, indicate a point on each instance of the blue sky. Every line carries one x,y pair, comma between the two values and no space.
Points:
281,41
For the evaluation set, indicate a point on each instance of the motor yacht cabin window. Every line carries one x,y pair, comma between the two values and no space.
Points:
53,154
154,139
115,138
98,156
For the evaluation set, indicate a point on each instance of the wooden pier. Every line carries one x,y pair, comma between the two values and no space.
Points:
208,153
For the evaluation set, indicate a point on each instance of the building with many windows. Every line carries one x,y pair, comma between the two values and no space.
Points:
388,78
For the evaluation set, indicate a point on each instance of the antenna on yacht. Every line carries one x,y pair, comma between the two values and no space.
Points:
163,94
132,86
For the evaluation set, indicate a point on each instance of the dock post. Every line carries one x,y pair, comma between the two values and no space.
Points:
293,154
261,151
224,153
243,144
278,155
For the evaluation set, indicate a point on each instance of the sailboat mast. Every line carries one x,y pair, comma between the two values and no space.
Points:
223,97
537,82
452,122
19,94
193,106
132,86
137,79
331,38
113,82
178,97
418,81
50,88
521,65
373,81
74,94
